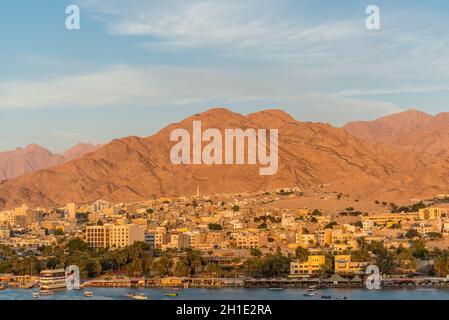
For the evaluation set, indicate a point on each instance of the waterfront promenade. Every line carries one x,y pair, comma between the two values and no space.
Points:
331,282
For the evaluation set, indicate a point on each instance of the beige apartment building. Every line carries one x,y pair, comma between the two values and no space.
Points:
215,237
305,240
71,210
6,217
249,240
430,213
114,236
383,219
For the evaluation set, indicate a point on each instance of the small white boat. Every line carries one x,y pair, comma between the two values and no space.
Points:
88,294
35,295
276,289
309,294
45,293
137,296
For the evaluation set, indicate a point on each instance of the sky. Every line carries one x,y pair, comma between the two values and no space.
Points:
135,66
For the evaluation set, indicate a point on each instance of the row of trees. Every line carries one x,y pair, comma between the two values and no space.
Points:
141,260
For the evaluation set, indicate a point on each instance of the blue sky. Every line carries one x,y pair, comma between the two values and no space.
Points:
135,66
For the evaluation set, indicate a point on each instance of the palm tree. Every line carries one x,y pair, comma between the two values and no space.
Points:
441,265
181,269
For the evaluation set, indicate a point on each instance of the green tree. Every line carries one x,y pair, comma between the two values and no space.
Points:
181,269
419,250
76,244
255,252
148,264
412,233
251,267
58,232
215,226
406,262
301,254
262,226
93,268
135,268
193,260
163,266
386,262
441,265
275,265
330,225
213,269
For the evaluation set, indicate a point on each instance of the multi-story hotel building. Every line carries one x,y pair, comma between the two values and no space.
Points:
312,266
114,236
249,240
344,265
430,213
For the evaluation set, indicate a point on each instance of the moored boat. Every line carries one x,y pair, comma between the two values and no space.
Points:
88,294
52,279
45,293
27,285
309,294
174,294
137,296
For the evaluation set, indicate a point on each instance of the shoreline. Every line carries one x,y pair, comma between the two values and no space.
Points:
263,283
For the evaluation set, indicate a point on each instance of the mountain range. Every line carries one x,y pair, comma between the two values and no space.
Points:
394,158
412,130
34,157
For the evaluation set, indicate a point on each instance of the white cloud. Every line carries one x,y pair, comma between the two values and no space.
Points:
156,86
228,26
418,89
119,85
309,62
405,53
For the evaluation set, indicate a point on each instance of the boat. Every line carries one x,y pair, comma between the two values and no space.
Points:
311,288
309,294
175,289
137,296
276,289
342,298
88,294
52,279
45,293
35,295
326,297
27,285
174,294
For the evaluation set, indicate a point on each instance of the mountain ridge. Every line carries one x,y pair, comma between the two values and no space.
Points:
34,157
137,168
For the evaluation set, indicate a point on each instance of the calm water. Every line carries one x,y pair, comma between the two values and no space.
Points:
233,294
